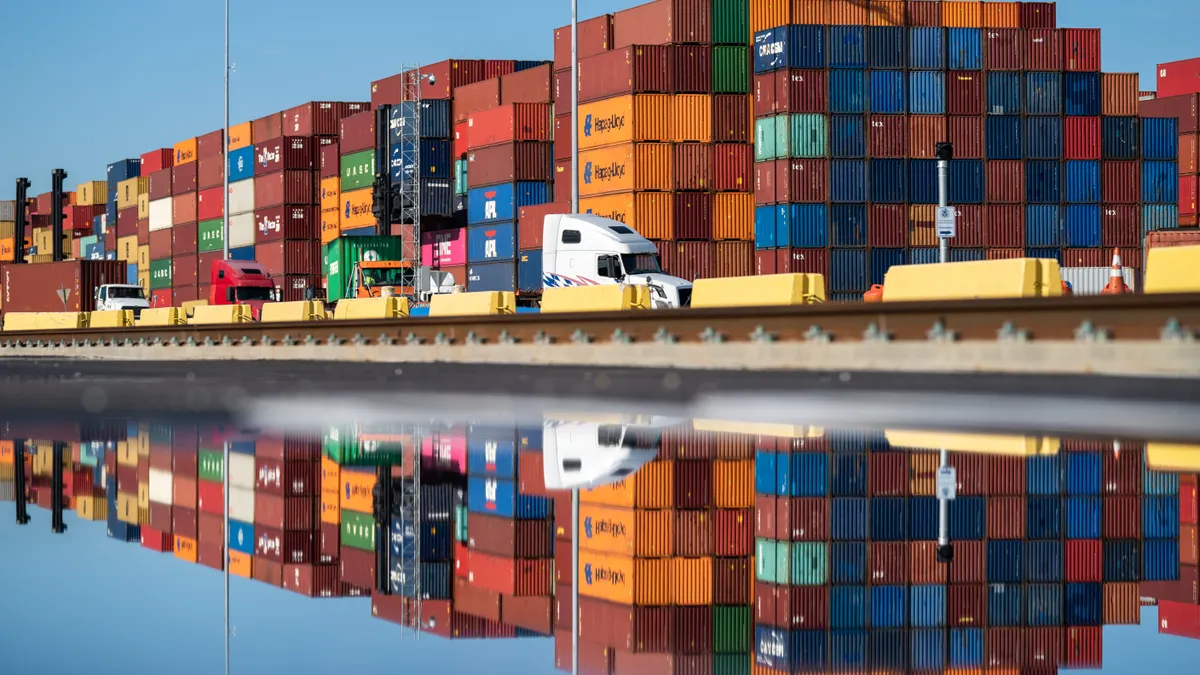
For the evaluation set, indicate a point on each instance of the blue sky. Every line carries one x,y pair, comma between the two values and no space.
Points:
99,82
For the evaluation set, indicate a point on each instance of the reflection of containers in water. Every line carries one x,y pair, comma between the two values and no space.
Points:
491,451
510,538
284,547
434,584
511,576
499,497
436,538
639,533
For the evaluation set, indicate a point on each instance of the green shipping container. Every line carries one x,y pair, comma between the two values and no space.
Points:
341,254
211,236
730,22
358,170
211,466
770,138
732,664
810,562
810,136
460,523
358,530
160,274
732,629
460,176
344,446
730,70
771,561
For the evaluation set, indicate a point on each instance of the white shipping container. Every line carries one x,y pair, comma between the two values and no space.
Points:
241,230
241,470
8,210
1093,280
241,504
161,486
241,197
162,214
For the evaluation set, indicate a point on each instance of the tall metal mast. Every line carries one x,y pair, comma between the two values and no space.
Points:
409,188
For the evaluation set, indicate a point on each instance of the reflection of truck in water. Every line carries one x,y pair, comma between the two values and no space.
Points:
580,455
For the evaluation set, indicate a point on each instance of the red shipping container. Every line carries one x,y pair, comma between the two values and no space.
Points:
625,71
966,133
731,581
1086,257
480,602
183,270
184,522
518,122
313,581
1002,49
285,222
924,569
210,172
266,127
764,604
312,119
887,225
296,287
157,160
1184,108
694,534
183,207
211,555
182,294
1189,512
1004,646
288,514
127,222
964,93
888,561
970,559
691,69
1005,225
1085,647
212,526
357,567
183,178
328,542
331,161
562,139
593,36
808,519
1123,473
531,237
1122,517
1037,15
887,136
531,85
1084,558
160,244
284,187
1044,49
966,605
1043,648
509,576
663,22
297,547
731,121
1081,47
693,164
285,152
1189,195
764,517
482,95
459,147
802,180
288,479
800,91
731,166
970,227
1005,184
802,261
357,132
1121,183
1121,225
210,204
156,540
923,13
766,189
210,145
448,76
510,162
162,298
802,607
924,133
1179,78
887,474
1006,518
1082,138
734,533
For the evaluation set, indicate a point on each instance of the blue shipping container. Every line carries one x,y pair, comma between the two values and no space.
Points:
922,181
437,197
1043,183
927,607
1083,182
771,647
807,226
1083,517
764,472
1043,93
1159,483
966,181
889,650
849,224
1043,138
929,650
964,46
926,48
1160,182
923,256
501,202
131,273
848,182
529,271
436,161
492,242
847,91
1004,605
1043,226
498,497
1003,137
501,276
1160,517
847,607
765,219
241,164
1004,561
1122,561
435,580
1044,605
245,253
967,254
435,120
791,46
922,518
241,537
1085,470
885,47
1044,518
492,454
846,441
122,170
1044,562
783,476
849,477
847,650
1083,225
1160,560
1120,137
847,137
1159,217
968,518
887,181
882,260
1160,138
889,607
848,519
1085,605
847,47
1082,93
927,92
848,562
848,269
1047,253
1004,91
966,647
887,92
809,474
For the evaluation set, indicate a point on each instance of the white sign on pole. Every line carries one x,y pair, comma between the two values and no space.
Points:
947,222
947,483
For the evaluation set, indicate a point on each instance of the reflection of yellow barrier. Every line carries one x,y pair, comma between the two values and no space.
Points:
286,312
988,444
1172,270
607,298
218,314
473,304
371,308
758,429
120,318
760,291
1173,457
162,316
1016,278
45,320
189,307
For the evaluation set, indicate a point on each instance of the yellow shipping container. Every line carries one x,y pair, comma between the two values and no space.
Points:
922,225
126,454
143,206
733,216
848,13
1001,15
652,487
331,193
649,213
143,433
639,533
43,240
185,151
185,549
923,468
91,193
127,508
127,193
241,564
612,121
359,203
239,136
691,118
624,580
357,492
7,452
144,279
962,14
143,261
127,249
91,508
887,13
623,168
8,229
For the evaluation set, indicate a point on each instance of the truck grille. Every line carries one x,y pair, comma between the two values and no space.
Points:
685,297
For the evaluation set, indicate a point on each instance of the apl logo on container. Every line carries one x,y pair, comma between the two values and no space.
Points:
490,448
489,251
489,494
489,205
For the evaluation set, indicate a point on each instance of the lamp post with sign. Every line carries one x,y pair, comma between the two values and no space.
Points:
947,225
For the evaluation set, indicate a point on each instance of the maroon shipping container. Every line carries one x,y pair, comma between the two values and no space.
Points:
1004,644
888,225
806,180
127,222
1082,138
1037,15
210,172
923,13
1122,517
184,207
211,529
970,559
734,533
508,538
594,36
183,178
482,95
331,161
312,119
663,22
184,522
802,261
1086,257
295,287
693,534
183,241
888,561
1184,108
625,71
1006,518
157,160
731,119
183,270
284,187
211,145
693,163
972,469
494,69
802,607
1043,648
313,581
764,603
357,133
160,458
1006,185
266,127
1002,49
286,222
182,294
693,629
389,90
531,480
1005,225
357,567
160,517
285,152
531,85
764,517
734,259
966,133
1081,49
1084,557
1123,472
284,513
1121,182
296,547
508,162
531,613
160,184
767,188
731,581
964,93
448,76
691,69
634,629
731,166
887,136
1084,648
127,479
35,288
692,214
287,479
1044,49
1120,225
792,91
966,604
562,139
211,555
328,542
887,474
286,257
807,518
534,216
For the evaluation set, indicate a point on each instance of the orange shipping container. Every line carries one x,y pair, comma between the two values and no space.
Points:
331,509
7,249
331,476
815,12
922,230
691,118
766,14
360,204
239,136
241,564
649,213
733,484
925,569
691,581
1122,604
962,14
924,133
624,580
331,193
627,532
652,487
733,216
185,549
887,13
7,452
357,493
848,13
1005,253
923,473
1189,156
331,225
622,168
185,151
1001,15
1119,94
624,119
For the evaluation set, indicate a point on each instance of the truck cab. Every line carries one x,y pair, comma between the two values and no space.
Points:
110,297
240,282
587,250
582,455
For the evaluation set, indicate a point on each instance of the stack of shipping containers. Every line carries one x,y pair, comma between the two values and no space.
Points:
357,533
7,475
185,474
1178,599
1178,99
210,495
241,170
243,475
129,485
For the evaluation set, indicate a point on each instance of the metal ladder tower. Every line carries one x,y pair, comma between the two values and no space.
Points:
408,505
408,192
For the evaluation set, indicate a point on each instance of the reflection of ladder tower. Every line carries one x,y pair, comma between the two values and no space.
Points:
408,192
408,506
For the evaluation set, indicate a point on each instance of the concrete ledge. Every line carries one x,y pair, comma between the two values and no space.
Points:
1132,358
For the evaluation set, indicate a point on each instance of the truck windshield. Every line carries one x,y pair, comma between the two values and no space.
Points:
384,276
640,263
248,294
130,293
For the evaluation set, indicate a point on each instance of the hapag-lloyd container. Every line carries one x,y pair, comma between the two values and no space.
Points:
636,166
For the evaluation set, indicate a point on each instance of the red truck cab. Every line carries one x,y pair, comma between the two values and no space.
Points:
241,282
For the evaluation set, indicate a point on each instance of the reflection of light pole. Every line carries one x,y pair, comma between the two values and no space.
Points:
225,481
575,209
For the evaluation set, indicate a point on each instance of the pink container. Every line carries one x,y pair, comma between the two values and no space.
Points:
444,248
449,455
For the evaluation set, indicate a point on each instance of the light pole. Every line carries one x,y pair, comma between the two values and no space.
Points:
575,209
225,171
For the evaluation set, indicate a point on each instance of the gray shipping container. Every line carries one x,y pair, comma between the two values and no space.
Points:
8,210
1093,280
7,491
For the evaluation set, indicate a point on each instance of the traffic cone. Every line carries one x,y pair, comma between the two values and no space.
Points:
1116,283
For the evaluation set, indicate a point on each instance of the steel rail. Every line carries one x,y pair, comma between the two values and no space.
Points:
1114,318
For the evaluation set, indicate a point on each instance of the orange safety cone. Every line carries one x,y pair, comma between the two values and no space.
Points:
1116,283
875,294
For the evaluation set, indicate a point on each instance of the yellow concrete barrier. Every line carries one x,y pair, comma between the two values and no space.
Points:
473,304
162,316
45,320
286,312
768,290
757,429
218,314
120,318
1173,457
608,298
1014,278
987,444
189,307
1174,269
371,308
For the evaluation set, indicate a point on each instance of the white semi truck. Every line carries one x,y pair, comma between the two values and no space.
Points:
581,455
